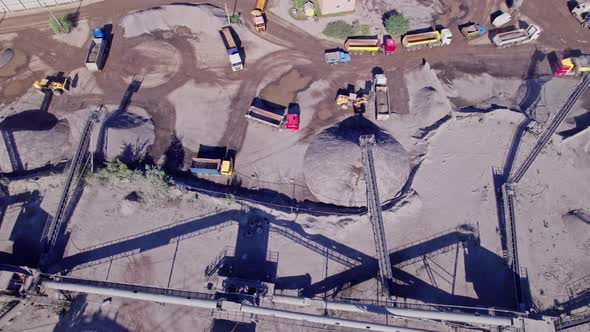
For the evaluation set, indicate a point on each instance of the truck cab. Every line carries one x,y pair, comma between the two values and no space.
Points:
388,45
292,121
446,36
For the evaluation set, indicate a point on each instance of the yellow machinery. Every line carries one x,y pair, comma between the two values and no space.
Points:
57,86
258,15
226,167
352,99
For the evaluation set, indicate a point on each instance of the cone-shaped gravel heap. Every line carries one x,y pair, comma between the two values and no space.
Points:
333,167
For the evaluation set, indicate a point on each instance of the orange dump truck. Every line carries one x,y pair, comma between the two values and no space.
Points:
258,15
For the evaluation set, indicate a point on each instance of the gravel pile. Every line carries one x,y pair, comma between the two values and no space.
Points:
333,168
35,139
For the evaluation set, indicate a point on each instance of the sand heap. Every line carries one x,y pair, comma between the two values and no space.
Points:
333,168
32,139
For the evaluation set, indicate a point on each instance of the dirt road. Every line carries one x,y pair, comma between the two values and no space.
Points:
302,50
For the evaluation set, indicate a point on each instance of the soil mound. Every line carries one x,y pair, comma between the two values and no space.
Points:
333,167
31,140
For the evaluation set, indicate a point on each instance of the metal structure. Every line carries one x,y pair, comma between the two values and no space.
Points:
10,144
374,210
577,92
55,224
508,188
202,300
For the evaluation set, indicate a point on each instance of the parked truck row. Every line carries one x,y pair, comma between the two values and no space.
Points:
435,37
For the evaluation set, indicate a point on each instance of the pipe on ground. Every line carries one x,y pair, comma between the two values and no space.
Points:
324,320
214,304
135,295
400,312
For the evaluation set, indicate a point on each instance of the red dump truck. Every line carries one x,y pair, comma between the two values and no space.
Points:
369,44
258,111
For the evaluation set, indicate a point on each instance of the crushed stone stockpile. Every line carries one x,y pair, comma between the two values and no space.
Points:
32,139
333,167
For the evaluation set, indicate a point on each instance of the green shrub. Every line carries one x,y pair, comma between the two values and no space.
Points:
234,19
157,177
342,30
396,25
63,24
114,170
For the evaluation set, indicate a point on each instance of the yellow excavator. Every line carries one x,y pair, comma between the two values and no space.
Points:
52,84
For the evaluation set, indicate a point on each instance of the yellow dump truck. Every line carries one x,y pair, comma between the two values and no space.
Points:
428,39
212,166
258,15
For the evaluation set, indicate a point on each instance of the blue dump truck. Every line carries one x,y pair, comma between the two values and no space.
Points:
212,166
473,30
233,52
336,56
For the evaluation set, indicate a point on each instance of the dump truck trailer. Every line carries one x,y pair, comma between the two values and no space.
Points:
573,66
233,52
516,37
428,39
382,107
263,116
369,44
582,13
258,15
95,56
212,166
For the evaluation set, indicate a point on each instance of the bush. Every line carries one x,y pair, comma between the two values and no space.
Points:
396,25
234,19
115,170
157,177
63,24
342,30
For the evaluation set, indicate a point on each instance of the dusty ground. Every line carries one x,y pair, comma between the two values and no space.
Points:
188,90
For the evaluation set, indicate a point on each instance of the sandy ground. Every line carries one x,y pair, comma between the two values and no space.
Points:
452,154
78,36
212,108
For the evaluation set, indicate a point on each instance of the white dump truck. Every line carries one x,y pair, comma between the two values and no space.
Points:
233,52
382,107
95,56
582,13
516,37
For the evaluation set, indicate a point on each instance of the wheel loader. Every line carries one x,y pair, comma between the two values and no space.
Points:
55,85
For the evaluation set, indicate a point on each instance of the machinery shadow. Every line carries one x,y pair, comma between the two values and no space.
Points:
118,119
27,230
76,320
146,241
